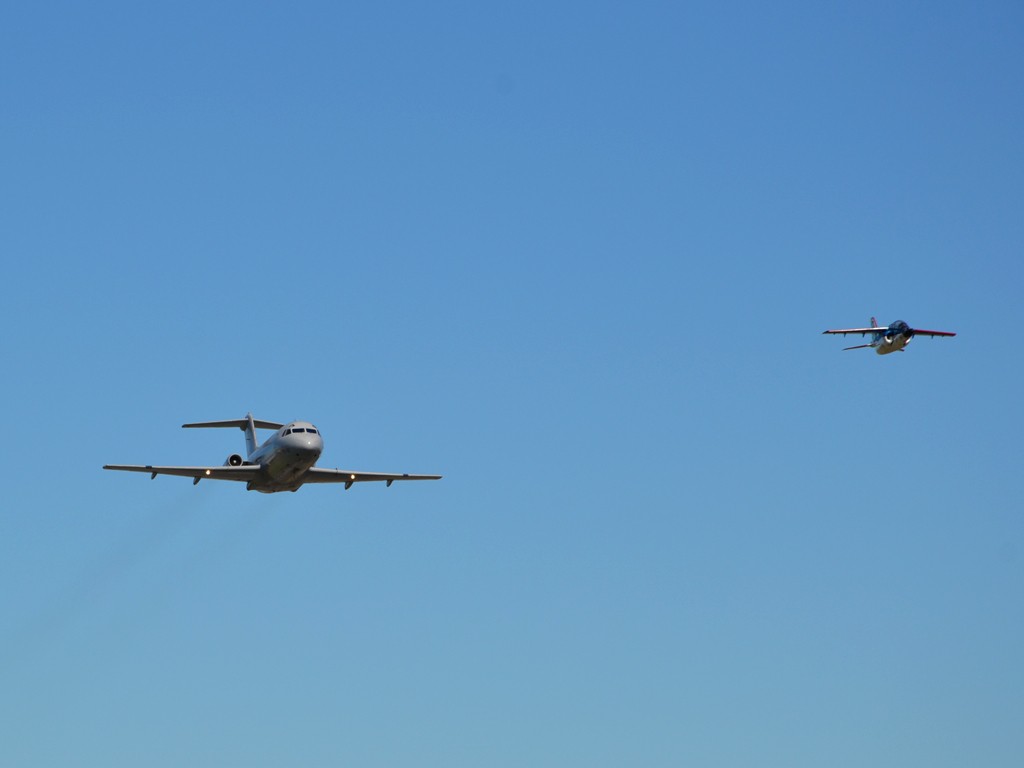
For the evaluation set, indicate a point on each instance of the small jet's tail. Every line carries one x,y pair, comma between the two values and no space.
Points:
249,425
874,323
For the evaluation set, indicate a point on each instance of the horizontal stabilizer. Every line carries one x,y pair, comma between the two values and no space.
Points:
236,423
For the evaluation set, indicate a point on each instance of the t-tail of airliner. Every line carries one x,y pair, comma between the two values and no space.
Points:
249,425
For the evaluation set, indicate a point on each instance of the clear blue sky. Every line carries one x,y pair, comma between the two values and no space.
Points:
577,257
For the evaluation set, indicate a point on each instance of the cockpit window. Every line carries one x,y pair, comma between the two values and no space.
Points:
313,431
286,432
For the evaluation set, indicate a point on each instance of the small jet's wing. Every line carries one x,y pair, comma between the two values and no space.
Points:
861,331
932,333
243,473
320,475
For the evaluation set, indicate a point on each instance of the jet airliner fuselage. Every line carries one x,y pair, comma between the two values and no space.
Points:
286,456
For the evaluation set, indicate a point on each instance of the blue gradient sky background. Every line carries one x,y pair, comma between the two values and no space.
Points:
577,258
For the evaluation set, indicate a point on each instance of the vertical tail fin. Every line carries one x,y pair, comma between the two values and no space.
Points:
874,323
250,435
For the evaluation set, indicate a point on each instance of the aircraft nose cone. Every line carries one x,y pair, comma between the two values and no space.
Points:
306,443
310,443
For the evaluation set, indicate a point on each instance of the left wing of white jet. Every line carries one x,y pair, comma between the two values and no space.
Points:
861,331
244,473
320,475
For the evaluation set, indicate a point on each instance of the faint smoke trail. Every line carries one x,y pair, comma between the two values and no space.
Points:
135,546
205,554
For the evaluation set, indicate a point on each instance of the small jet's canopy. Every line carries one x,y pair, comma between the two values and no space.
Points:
897,327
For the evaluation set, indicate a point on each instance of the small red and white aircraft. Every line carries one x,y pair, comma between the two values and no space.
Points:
890,339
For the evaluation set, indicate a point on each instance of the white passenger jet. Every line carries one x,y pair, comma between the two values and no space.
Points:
891,339
283,463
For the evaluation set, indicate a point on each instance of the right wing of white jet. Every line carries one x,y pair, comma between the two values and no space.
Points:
320,475
244,473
